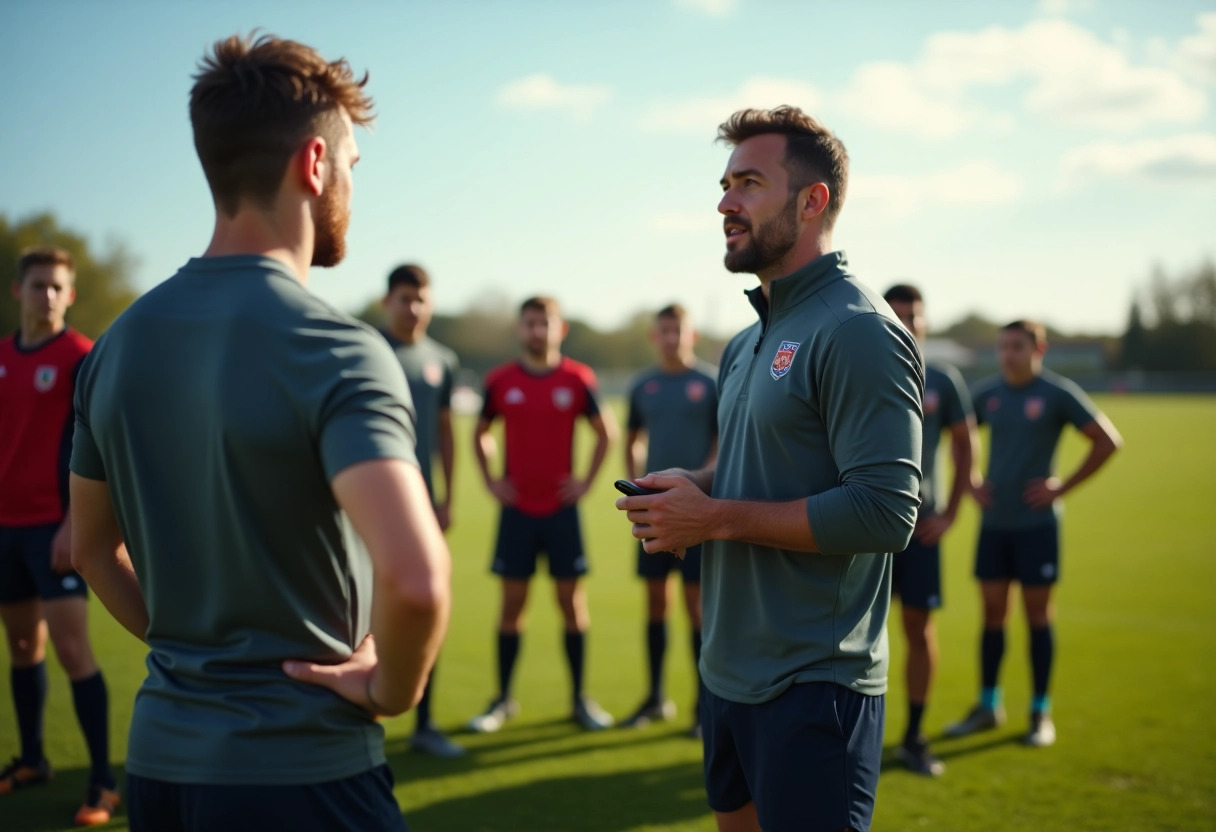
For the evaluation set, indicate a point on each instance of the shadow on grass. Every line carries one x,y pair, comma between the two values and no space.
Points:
948,748
53,806
589,803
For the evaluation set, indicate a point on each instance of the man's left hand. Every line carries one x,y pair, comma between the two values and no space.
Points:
61,549
572,490
930,529
672,520
1042,492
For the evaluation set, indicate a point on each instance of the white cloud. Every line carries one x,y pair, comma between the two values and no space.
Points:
543,92
1196,54
1072,78
974,183
717,8
1061,8
704,114
1188,157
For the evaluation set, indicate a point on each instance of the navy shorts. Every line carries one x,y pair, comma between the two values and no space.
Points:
809,758
917,579
25,566
1029,556
660,564
363,802
521,537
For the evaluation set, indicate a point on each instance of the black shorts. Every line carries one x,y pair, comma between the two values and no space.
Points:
25,566
521,537
1029,556
660,564
364,802
809,758
917,579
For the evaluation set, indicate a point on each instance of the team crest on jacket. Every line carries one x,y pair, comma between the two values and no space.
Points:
931,401
695,390
784,359
1034,407
44,377
563,397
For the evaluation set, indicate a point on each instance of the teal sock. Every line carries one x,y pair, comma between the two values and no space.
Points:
990,698
1041,704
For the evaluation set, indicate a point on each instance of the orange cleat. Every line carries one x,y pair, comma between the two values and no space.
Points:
18,775
98,808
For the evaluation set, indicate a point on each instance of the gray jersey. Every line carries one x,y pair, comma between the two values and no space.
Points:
679,412
430,370
1026,423
820,401
218,409
946,404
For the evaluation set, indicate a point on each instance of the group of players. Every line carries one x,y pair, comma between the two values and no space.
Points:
231,554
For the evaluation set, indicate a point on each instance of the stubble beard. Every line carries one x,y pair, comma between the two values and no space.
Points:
770,242
333,218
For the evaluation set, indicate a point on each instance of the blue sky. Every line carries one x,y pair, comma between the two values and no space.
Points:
1016,158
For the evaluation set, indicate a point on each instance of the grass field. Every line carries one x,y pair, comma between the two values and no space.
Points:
1134,687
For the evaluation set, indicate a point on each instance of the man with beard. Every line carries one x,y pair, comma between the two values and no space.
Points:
540,398
814,486
254,447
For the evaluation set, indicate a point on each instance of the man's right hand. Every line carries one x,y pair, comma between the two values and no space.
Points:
351,679
983,494
502,490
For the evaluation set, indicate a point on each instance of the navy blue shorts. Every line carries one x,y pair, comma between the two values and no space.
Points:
809,758
521,537
1029,556
363,802
917,579
25,566
661,564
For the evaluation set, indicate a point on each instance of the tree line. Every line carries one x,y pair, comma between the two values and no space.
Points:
1171,323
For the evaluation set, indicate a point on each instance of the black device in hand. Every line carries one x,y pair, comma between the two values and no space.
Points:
631,489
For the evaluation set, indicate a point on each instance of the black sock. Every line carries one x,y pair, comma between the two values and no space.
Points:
656,650
1042,648
916,711
575,645
92,710
424,704
508,651
992,650
29,698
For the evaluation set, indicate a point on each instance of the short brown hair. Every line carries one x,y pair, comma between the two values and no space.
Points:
44,256
408,275
812,151
674,311
903,293
541,303
1036,331
254,101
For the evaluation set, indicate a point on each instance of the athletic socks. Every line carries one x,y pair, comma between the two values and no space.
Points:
1042,648
992,650
656,650
916,712
575,645
92,710
424,704
29,697
508,652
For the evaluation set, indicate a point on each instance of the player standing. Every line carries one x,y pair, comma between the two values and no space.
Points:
255,449
430,370
673,423
540,397
39,590
1027,408
918,570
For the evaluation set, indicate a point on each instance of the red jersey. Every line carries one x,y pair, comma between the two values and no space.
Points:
36,421
539,411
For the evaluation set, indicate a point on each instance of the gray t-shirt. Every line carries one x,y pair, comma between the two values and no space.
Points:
946,404
1026,423
430,370
679,412
218,408
819,400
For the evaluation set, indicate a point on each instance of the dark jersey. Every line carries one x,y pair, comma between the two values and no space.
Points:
36,388
430,370
946,404
539,411
679,412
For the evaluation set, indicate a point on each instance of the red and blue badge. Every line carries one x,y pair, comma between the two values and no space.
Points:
784,359
1034,407
695,390
931,401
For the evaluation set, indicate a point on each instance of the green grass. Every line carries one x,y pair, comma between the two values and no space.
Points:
1134,687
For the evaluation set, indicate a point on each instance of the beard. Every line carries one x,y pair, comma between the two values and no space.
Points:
333,218
770,242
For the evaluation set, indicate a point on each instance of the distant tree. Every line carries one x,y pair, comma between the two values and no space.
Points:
103,281
1134,345
1183,335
